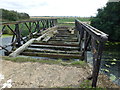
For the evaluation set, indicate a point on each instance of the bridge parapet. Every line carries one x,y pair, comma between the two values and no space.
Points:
92,39
22,31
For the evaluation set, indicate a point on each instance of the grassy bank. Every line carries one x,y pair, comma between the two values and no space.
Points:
59,61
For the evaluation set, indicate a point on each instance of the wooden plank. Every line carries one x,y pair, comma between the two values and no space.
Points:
51,55
22,48
52,51
66,40
49,29
62,35
50,32
54,47
56,44
46,39
40,38
49,35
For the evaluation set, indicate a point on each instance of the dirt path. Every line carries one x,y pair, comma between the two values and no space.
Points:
37,75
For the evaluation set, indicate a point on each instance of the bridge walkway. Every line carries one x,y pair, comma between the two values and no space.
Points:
64,44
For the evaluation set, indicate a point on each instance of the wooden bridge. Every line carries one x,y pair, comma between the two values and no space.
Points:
46,39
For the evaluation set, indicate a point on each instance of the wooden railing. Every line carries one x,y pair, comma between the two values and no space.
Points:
92,39
32,27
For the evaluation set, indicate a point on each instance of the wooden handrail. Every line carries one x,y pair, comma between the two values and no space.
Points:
94,39
24,21
99,35
32,26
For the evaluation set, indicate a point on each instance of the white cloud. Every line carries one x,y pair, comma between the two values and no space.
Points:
54,7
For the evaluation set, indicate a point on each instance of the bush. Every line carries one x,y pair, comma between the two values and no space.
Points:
13,15
108,20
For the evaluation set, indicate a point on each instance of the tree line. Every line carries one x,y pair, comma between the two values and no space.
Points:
11,15
108,20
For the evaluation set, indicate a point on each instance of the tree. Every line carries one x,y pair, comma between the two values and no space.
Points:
108,20
13,15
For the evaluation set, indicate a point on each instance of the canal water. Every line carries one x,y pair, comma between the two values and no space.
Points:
5,41
110,63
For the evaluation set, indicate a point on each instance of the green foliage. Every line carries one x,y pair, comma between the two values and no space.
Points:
112,77
86,84
6,35
108,20
13,15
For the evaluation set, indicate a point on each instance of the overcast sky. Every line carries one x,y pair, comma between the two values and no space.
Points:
54,7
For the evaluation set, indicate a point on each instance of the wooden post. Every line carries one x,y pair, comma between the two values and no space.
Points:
97,64
38,27
18,35
30,30
47,23
86,44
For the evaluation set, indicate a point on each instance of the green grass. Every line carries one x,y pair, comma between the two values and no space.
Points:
72,19
6,35
63,21
59,61
82,63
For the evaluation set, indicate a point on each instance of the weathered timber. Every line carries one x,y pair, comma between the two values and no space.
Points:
66,40
51,51
56,44
46,38
71,30
33,27
52,55
41,37
62,35
90,37
50,32
49,35
22,48
54,47
49,29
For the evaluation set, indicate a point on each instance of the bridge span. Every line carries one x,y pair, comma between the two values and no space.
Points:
46,38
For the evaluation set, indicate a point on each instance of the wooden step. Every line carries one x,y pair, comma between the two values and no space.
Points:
56,44
53,55
54,47
72,40
62,35
51,51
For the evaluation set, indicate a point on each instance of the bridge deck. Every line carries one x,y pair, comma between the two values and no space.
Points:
64,44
